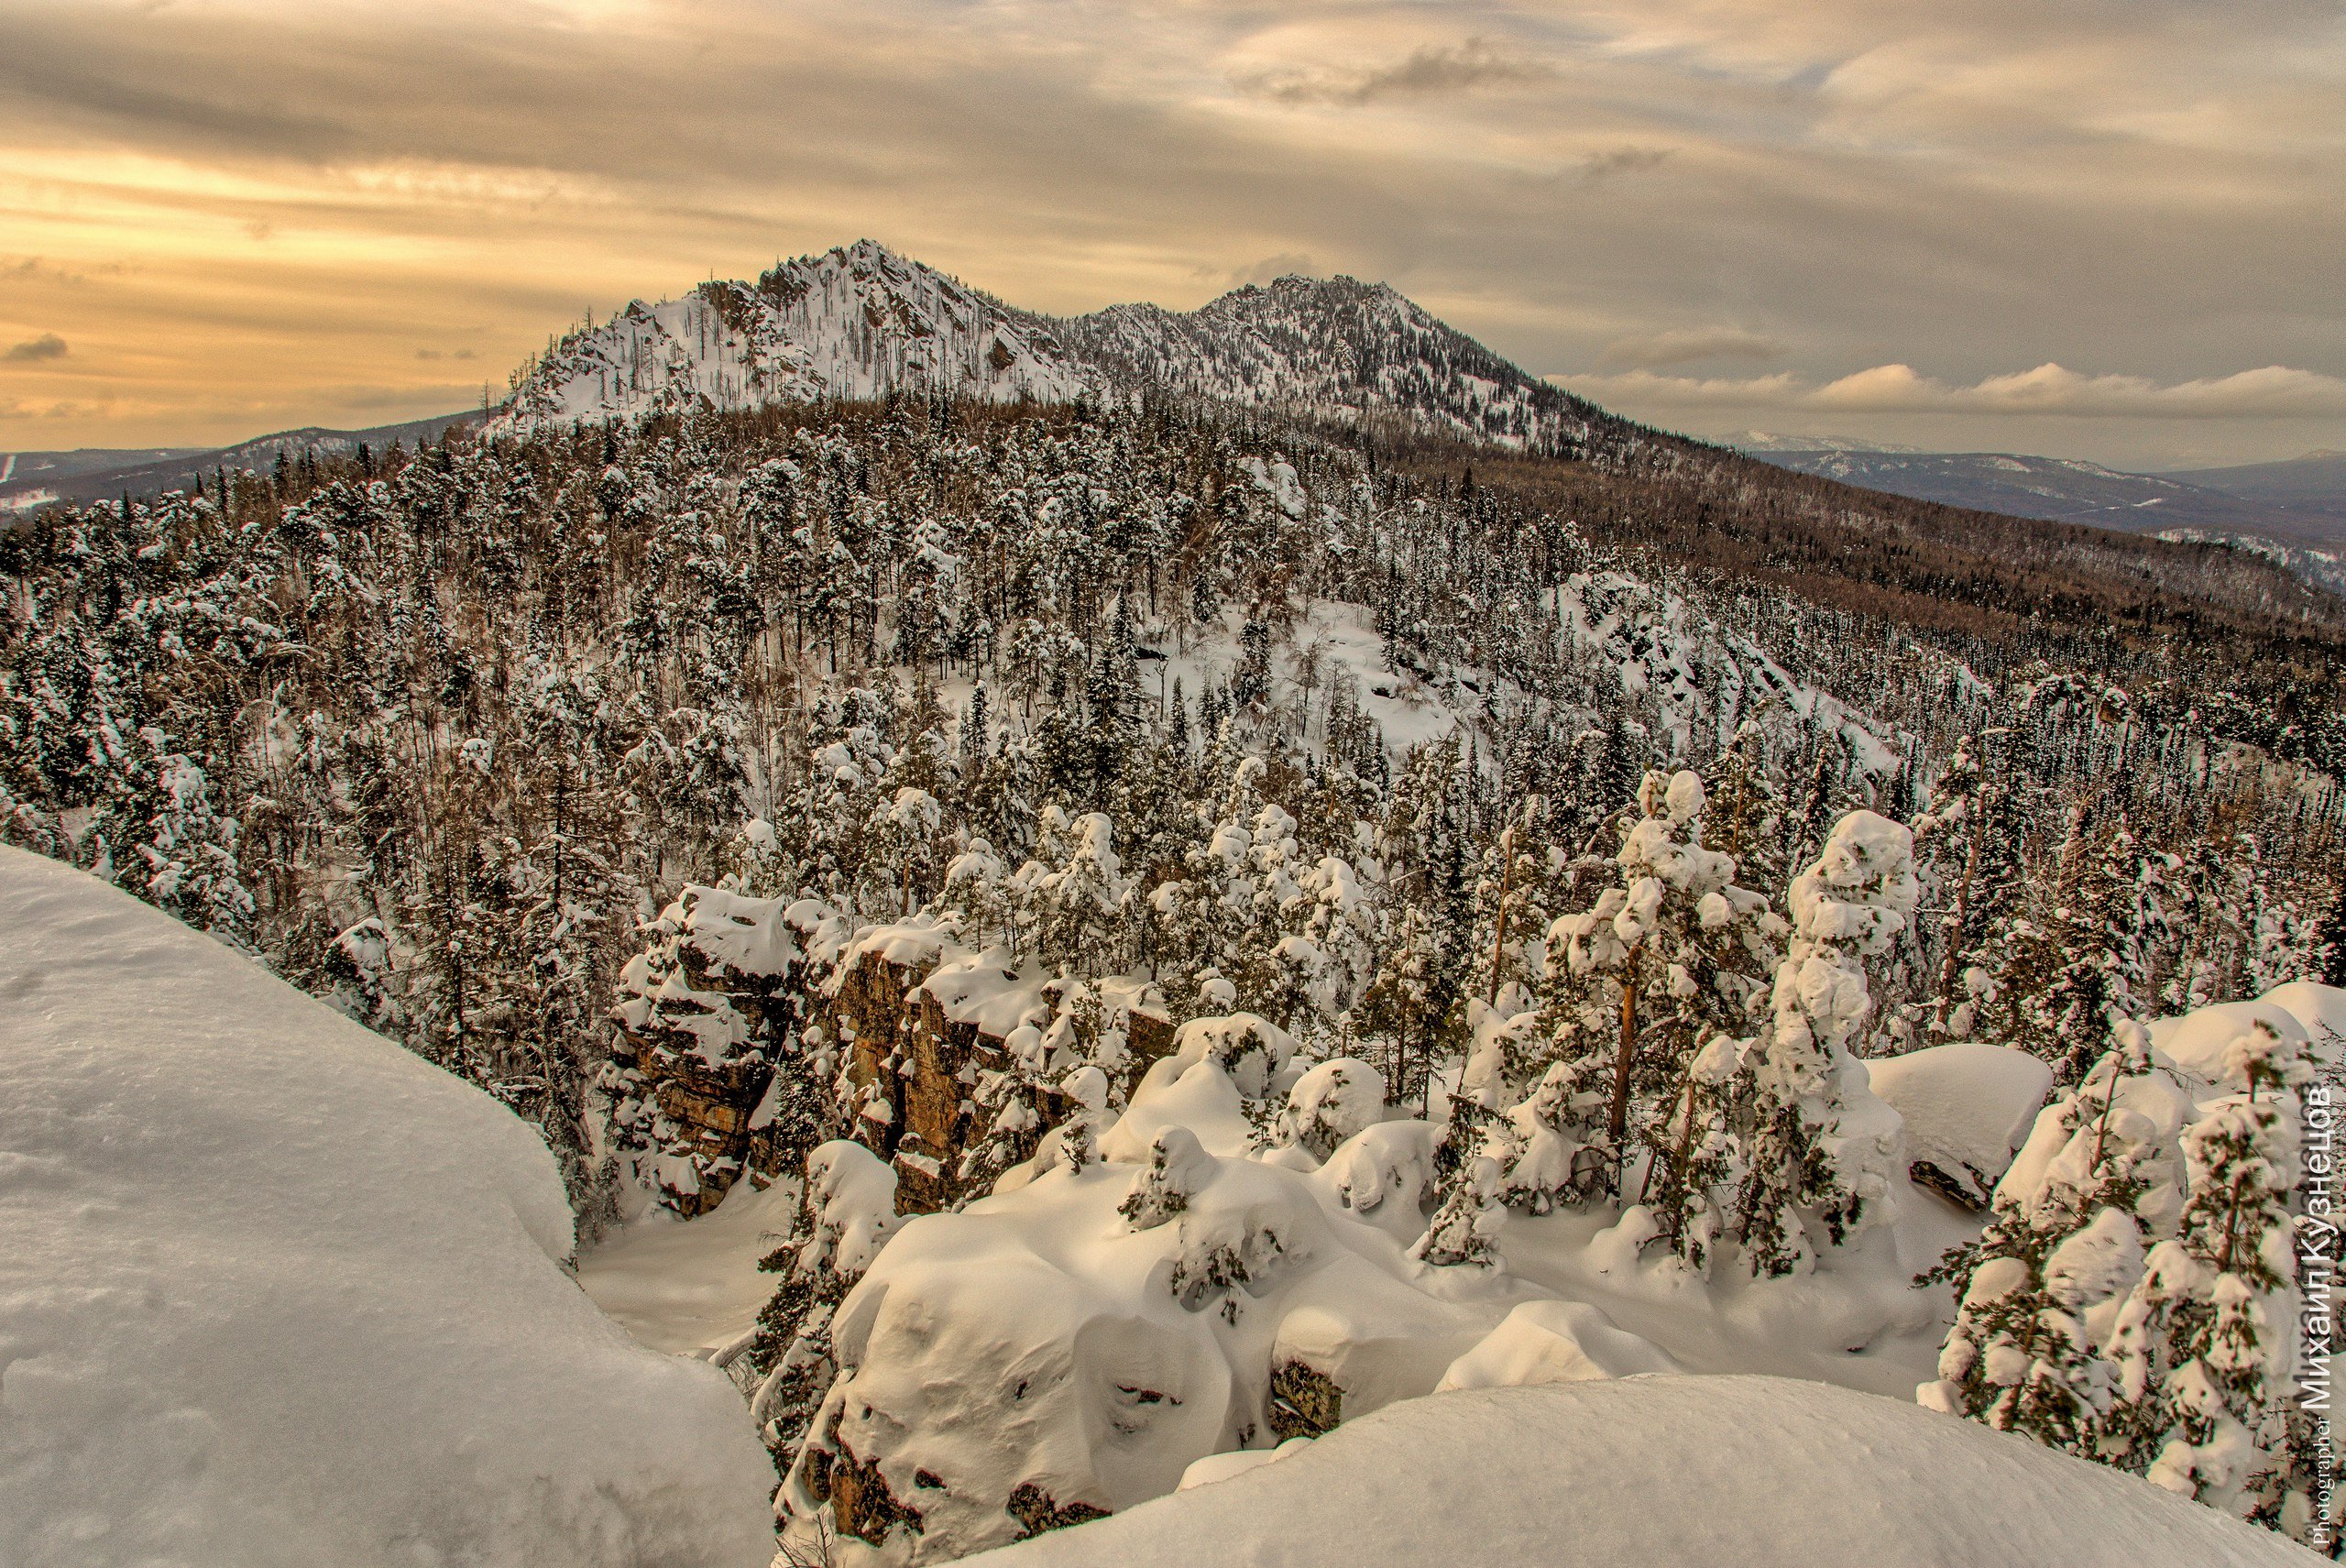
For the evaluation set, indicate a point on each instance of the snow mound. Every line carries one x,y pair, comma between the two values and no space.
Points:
1555,1342
1968,1107
2207,1041
1080,1342
1665,1473
274,1292
2321,1009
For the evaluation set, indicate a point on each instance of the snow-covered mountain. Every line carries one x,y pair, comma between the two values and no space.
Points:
29,481
862,321
2060,490
1757,441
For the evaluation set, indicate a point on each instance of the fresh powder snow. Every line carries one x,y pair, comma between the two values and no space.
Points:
1665,1473
276,1293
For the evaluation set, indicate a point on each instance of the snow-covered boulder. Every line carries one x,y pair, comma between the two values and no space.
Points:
1217,1066
1666,1473
2207,1041
274,1291
1074,1346
2321,1010
1968,1109
1555,1342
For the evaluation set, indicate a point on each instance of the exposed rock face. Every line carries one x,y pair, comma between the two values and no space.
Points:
735,1019
706,1014
918,1068
1035,1512
862,1505
1305,1402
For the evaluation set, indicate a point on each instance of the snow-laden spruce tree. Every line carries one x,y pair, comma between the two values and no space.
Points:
2203,1343
1664,962
1972,838
2068,966
1331,1102
1815,1164
2097,1183
189,861
1076,909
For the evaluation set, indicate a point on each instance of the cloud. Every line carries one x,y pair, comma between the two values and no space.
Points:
1431,70
1605,165
2274,391
60,408
48,346
1286,264
35,269
1660,350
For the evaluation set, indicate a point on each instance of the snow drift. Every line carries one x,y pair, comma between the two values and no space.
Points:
1072,1344
1665,1473
274,1291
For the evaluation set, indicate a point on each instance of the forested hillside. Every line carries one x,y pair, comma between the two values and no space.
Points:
1280,815
432,729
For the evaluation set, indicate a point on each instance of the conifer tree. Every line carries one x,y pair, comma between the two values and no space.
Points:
1817,1159
2096,1185
2203,1343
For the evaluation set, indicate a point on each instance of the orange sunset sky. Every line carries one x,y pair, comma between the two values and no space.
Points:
2108,230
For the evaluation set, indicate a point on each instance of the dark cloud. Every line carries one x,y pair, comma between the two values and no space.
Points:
1654,351
1286,264
48,346
38,269
1425,72
1614,161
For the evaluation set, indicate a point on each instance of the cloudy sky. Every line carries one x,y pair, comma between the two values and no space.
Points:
2100,228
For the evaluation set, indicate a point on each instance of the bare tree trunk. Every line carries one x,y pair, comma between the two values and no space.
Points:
1616,1123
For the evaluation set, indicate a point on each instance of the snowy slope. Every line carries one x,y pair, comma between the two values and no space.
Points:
1665,1473
274,1291
680,1286
862,321
1338,346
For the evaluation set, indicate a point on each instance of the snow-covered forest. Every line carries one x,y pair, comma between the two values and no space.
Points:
1238,924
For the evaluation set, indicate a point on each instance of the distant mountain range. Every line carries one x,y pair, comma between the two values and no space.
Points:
2313,485
31,480
862,321
1759,443
2301,502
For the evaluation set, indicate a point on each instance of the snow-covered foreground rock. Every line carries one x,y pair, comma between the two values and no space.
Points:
274,1291
1665,1473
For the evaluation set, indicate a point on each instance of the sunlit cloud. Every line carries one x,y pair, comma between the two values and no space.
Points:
2274,391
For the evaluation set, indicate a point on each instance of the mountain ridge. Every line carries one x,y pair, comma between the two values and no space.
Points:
863,321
